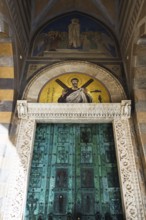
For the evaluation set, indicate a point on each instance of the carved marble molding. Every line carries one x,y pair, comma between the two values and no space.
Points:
35,85
17,193
66,112
130,189
117,113
130,27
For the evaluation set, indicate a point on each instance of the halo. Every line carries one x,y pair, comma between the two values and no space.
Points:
75,19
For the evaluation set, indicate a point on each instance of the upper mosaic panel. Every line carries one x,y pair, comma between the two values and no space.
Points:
75,33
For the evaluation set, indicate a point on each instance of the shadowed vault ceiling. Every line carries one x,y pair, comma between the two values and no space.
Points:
105,10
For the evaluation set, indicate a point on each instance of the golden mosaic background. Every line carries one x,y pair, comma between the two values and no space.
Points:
52,90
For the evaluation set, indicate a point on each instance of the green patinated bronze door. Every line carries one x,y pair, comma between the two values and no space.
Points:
73,174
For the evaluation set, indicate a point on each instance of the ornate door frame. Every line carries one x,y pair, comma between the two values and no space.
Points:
116,113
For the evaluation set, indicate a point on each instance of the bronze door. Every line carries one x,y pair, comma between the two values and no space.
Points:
74,174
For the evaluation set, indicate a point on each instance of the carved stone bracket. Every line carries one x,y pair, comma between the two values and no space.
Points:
117,113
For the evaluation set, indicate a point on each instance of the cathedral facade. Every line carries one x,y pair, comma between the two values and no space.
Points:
72,111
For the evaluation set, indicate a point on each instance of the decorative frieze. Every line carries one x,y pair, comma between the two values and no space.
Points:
77,111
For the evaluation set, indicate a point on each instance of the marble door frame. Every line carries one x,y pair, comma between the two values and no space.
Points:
118,114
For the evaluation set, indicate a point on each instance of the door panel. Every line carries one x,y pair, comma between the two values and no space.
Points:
73,174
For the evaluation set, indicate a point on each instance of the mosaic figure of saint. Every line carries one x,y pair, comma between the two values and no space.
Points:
75,94
74,34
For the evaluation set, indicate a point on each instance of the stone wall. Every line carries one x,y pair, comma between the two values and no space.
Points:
13,49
